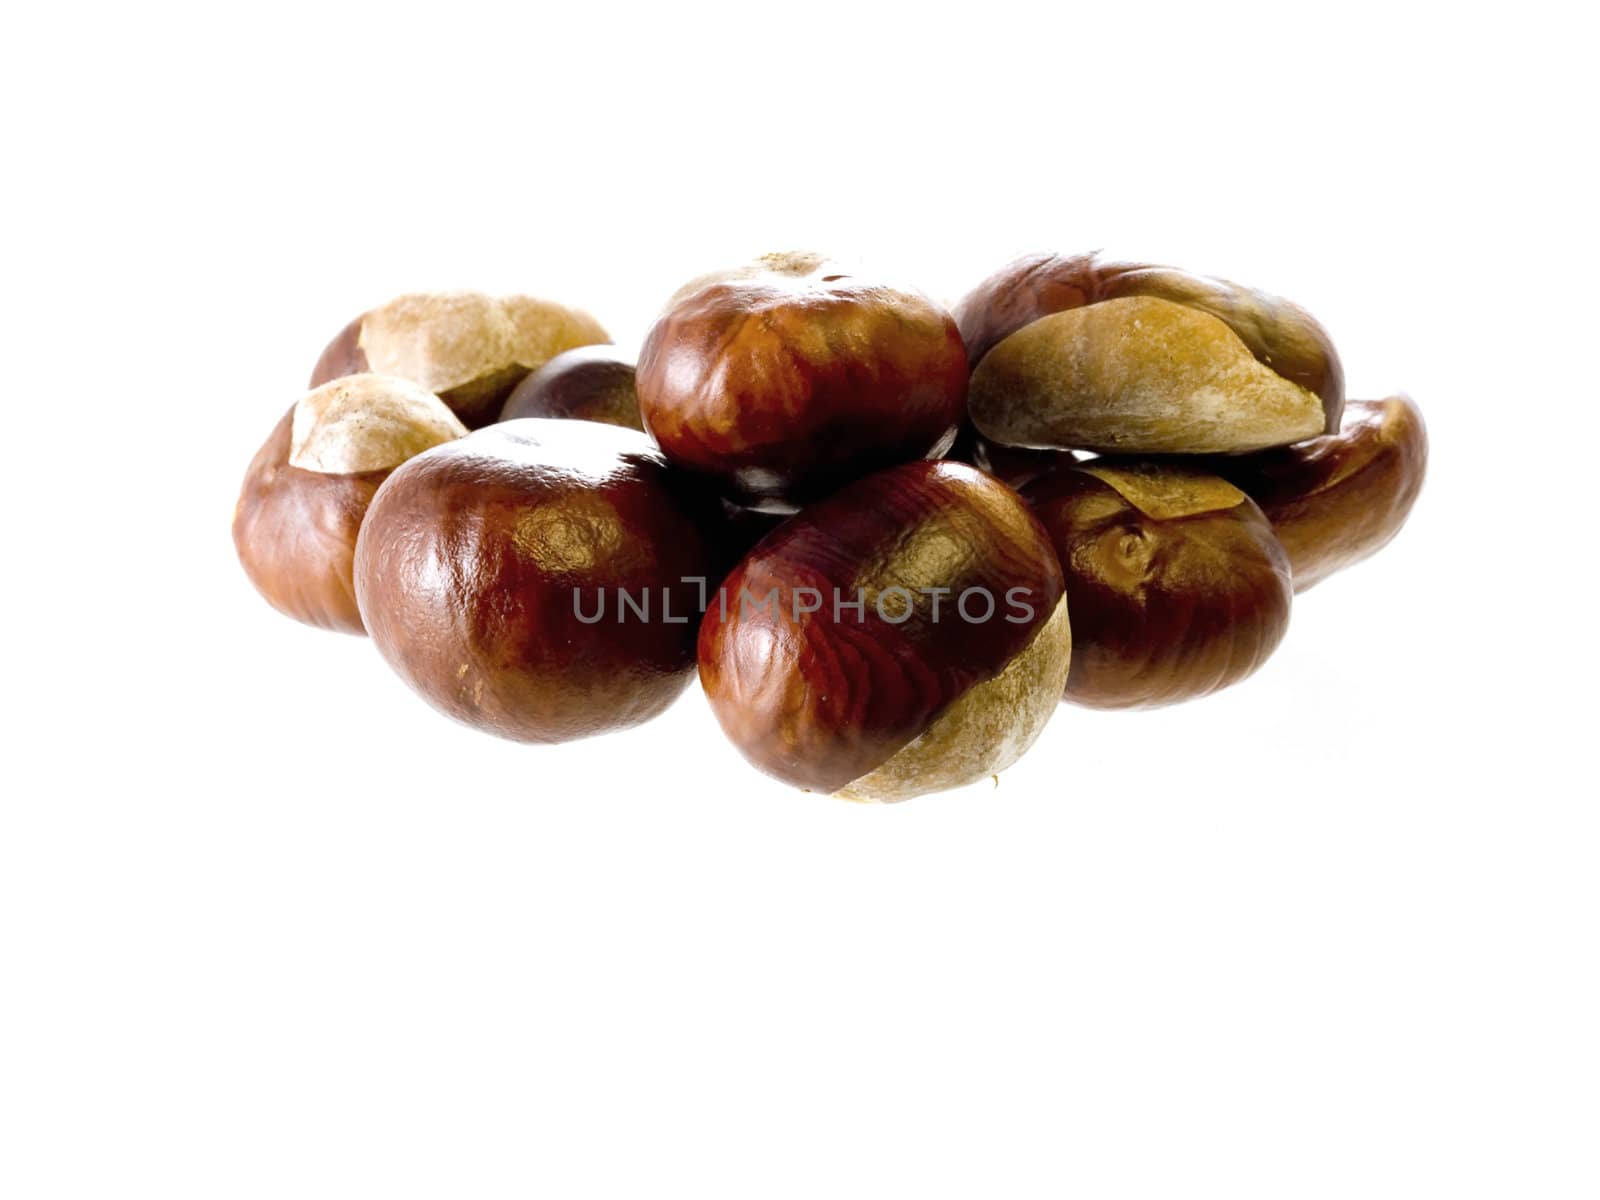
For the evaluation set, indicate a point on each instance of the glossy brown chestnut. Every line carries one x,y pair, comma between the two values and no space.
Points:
905,635
1337,499
1176,583
789,377
539,579
468,349
1075,352
308,487
591,383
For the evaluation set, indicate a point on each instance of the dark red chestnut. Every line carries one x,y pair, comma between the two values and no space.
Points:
905,635
468,349
1177,585
789,377
1337,499
1074,352
539,579
308,487
591,383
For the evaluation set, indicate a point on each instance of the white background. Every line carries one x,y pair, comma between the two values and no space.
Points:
270,927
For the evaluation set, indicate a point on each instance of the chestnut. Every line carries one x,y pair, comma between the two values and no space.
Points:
905,635
308,488
1072,352
1337,499
1177,585
467,348
591,383
789,377
539,579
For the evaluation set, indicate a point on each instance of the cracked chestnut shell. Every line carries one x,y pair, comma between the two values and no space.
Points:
591,383
307,490
467,348
1177,585
1073,352
920,689
491,574
1335,500
792,376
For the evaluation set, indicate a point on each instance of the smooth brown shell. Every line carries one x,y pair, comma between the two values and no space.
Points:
469,349
1335,500
789,378
295,533
821,699
591,383
1281,335
479,561
1164,607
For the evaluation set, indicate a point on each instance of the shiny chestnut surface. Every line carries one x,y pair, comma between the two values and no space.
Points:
1165,607
471,555
822,698
1335,500
591,383
792,377
1281,335
295,533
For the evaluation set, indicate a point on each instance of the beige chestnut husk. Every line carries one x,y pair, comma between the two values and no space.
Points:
469,349
985,730
306,491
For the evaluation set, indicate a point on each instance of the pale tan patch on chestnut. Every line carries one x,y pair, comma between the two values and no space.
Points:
448,340
791,264
794,262
1137,375
367,423
1165,492
542,329
983,731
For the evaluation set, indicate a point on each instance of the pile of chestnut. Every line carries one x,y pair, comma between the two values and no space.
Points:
891,537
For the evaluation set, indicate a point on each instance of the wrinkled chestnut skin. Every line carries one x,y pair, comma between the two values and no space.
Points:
591,383
791,379
1335,500
1279,334
822,701
1162,610
468,558
295,533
